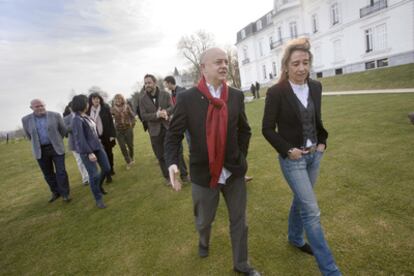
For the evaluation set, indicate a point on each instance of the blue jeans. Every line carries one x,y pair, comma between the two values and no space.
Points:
54,171
304,213
97,177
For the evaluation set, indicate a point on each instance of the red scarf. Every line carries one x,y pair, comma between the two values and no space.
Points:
216,129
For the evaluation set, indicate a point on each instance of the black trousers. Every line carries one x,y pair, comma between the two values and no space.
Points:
54,171
108,150
157,143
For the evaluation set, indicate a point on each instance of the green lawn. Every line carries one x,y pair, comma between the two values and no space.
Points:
384,78
365,191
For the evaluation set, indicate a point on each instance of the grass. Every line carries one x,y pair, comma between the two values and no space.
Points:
364,190
384,78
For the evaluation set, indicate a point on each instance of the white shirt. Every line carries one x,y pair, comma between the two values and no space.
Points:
302,93
225,173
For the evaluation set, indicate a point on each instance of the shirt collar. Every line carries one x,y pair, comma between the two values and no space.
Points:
215,93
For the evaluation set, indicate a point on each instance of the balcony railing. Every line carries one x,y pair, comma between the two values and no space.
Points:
378,5
245,61
276,44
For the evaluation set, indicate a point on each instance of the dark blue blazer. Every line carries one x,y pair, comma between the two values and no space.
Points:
84,137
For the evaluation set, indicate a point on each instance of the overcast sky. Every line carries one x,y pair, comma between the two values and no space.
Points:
50,47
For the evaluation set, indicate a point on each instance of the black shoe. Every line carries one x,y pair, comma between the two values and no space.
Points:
250,272
112,172
67,199
167,182
305,248
185,179
202,251
108,179
53,197
103,191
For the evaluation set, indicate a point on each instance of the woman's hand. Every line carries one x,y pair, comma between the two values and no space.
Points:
295,154
321,147
92,157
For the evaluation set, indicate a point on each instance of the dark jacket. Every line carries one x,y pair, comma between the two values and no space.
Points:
84,138
108,128
190,113
282,125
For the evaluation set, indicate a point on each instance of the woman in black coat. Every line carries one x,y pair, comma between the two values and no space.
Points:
292,124
100,112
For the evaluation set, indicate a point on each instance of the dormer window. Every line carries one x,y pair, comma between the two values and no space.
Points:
259,25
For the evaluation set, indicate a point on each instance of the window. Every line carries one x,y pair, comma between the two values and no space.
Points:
314,23
245,55
243,34
319,75
279,32
270,42
370,65
368,40
268,18
382,62
274,68
293,30
338,71
334,14
264,72
380,37
260,48
376,38
259,25
337,50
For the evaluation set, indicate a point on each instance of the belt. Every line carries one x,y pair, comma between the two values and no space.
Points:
309,150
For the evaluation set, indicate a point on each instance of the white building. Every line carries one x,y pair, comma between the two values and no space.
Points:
346,36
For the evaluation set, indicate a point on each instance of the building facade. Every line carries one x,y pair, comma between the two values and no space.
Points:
346,36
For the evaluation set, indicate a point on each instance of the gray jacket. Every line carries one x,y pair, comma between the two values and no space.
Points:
56,130
68,124
149,111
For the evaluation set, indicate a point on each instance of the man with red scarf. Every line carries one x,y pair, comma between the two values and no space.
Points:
213,114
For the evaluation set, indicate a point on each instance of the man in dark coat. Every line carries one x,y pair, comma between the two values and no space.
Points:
213,113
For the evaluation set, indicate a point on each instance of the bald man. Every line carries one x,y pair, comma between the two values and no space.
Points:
45,129
214,116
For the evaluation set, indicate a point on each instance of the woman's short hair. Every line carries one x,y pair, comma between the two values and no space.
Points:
79,103
298,44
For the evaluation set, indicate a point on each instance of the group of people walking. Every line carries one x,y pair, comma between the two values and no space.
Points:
212,116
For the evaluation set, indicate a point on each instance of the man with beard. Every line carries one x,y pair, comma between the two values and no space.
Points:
156,107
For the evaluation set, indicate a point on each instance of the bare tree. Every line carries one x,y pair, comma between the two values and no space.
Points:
192,46
234,71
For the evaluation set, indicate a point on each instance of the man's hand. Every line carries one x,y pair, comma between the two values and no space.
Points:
174,174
